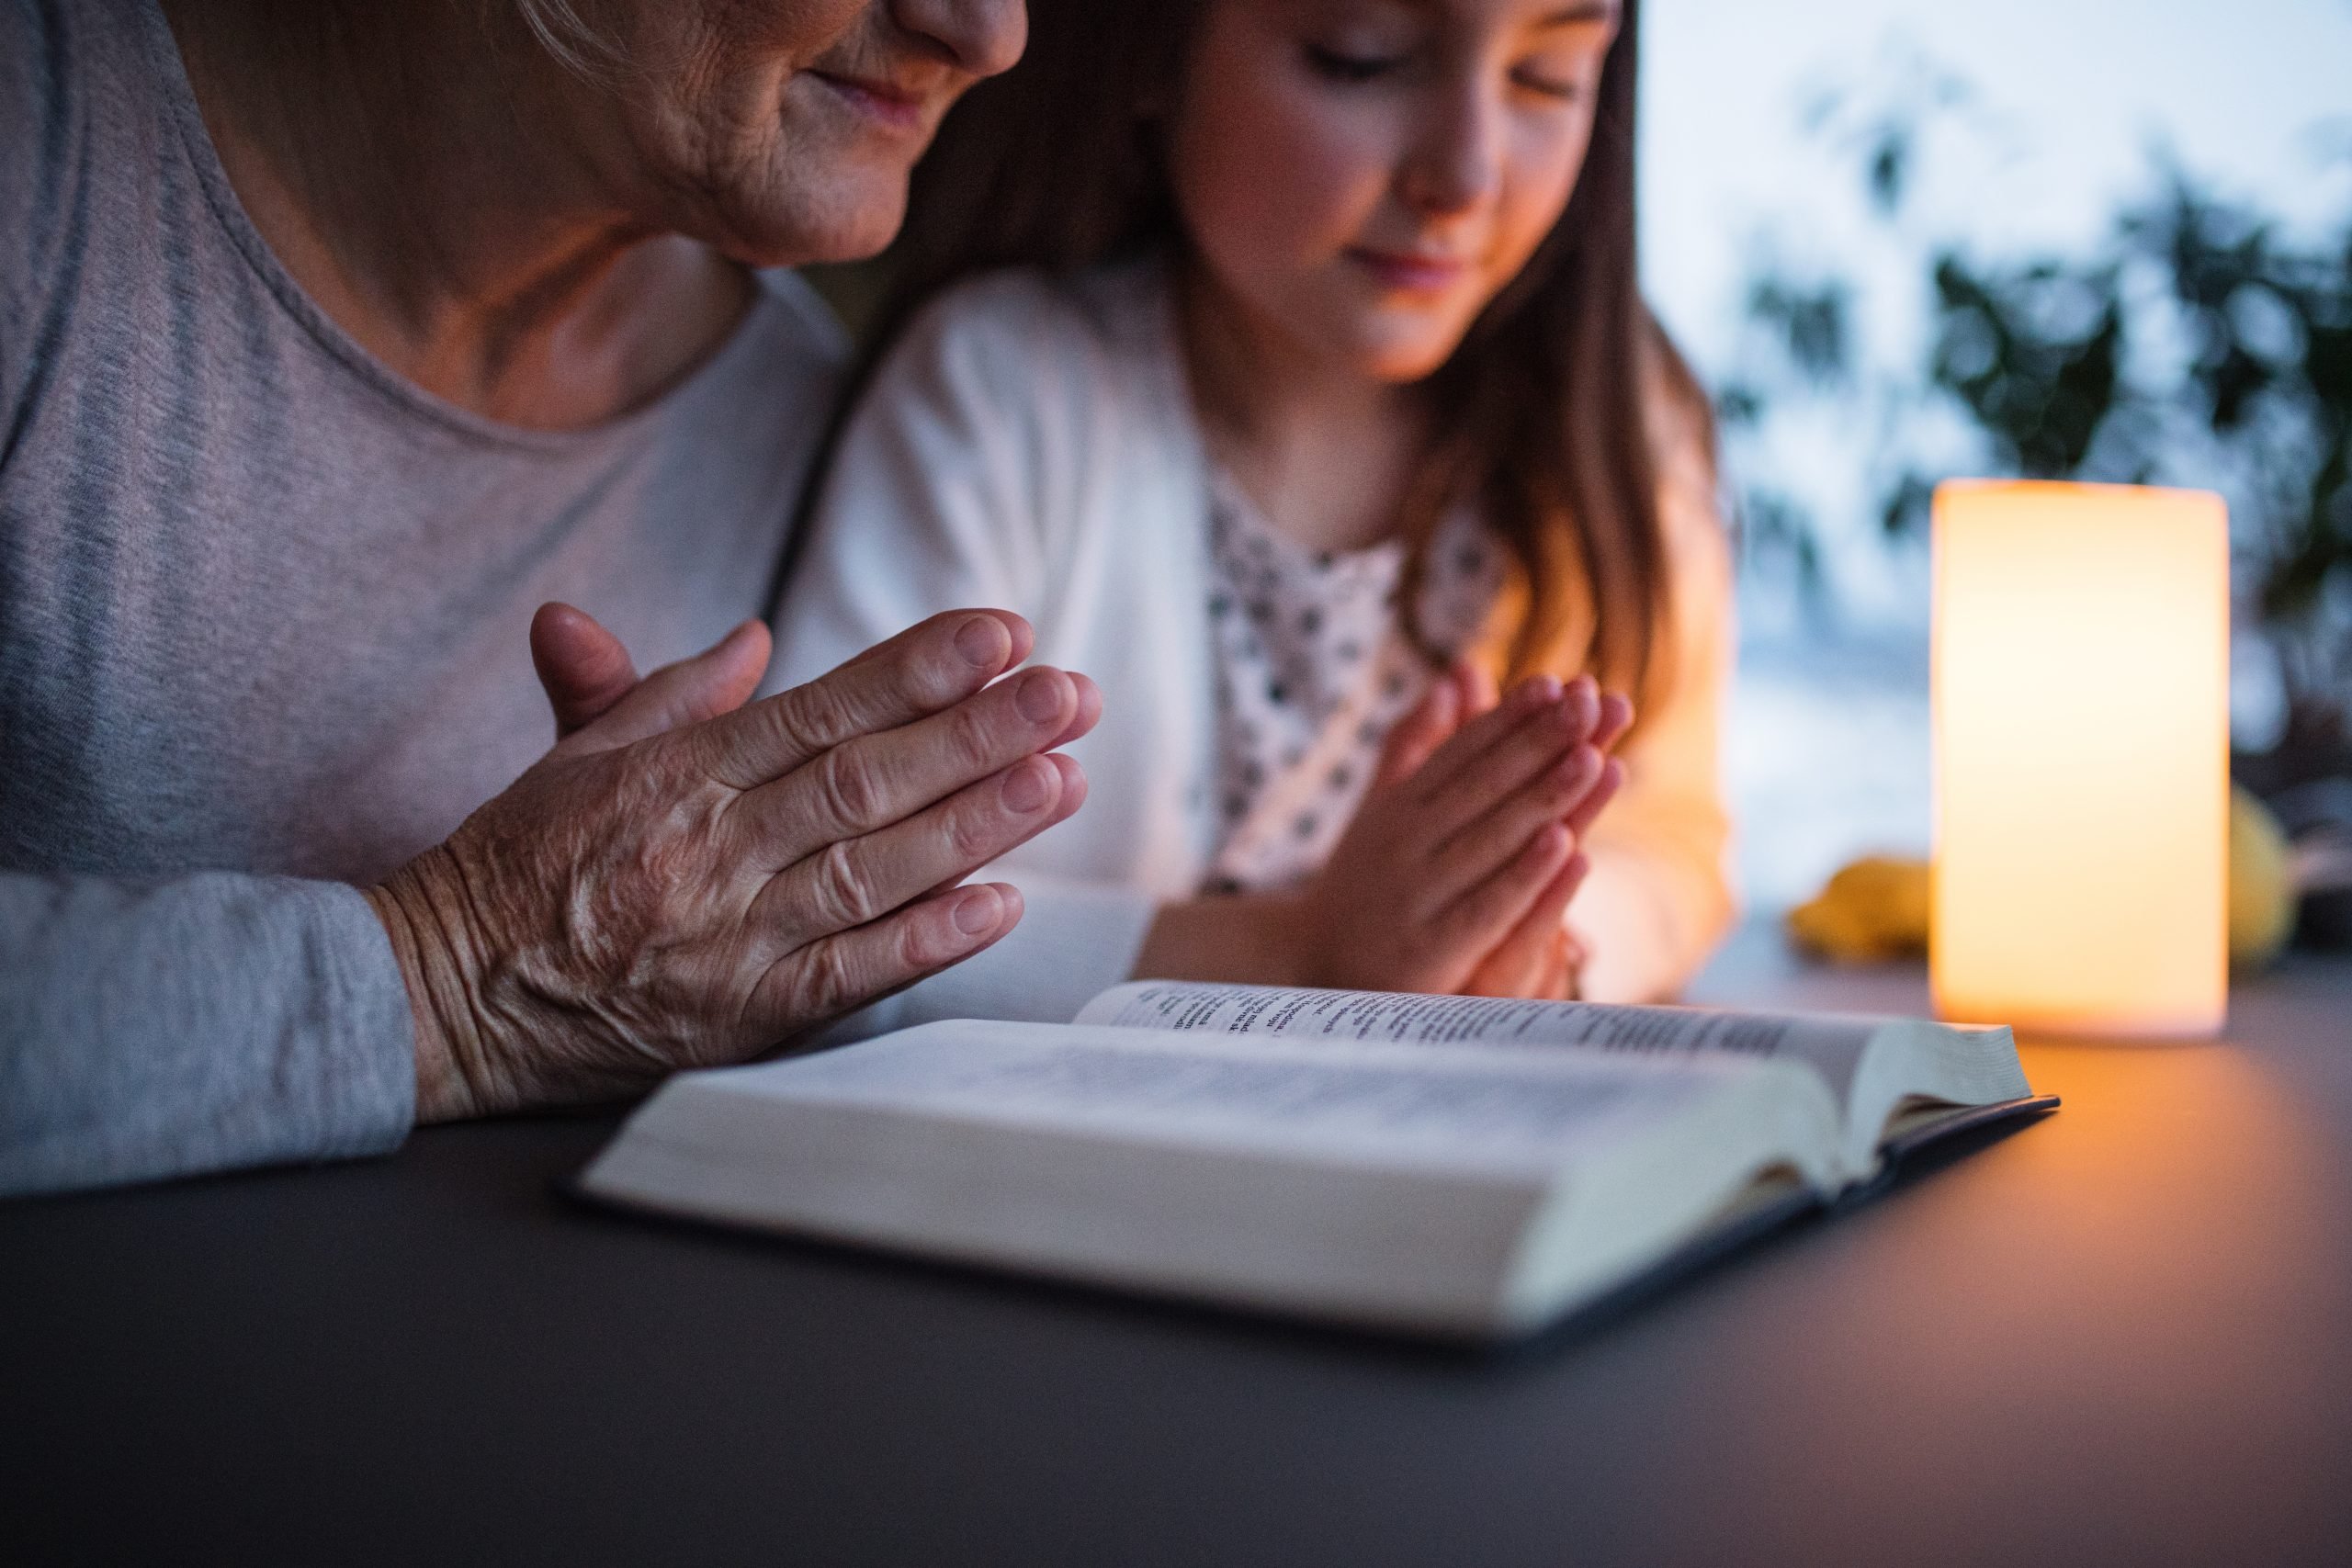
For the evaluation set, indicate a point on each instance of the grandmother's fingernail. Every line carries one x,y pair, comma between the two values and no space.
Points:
976,911
1024,787
983,642
1039,696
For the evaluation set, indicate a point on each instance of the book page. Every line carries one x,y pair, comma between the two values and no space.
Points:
1468,1106
1462,1190
1831,1046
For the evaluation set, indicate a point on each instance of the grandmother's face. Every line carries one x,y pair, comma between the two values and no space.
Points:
782,131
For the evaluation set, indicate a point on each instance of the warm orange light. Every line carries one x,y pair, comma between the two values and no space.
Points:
2082,758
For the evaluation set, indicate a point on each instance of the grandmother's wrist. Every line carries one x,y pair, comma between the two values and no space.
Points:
422,907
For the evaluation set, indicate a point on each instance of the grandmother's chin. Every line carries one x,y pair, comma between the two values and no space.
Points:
818,215
865,231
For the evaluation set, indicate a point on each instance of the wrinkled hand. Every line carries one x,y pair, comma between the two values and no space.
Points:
686,880
1460,864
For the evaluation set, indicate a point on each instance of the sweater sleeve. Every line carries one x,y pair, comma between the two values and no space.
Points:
940,496
203,1024
1658,898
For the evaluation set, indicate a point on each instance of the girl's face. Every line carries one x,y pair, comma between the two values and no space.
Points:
1361,176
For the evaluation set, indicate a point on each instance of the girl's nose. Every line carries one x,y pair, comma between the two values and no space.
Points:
1455,162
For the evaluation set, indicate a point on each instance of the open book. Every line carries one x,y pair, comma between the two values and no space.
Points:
1457,1166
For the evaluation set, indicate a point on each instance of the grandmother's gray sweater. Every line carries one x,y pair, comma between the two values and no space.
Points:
262,618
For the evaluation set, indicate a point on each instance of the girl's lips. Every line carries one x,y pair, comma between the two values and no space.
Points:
890,106
1410,274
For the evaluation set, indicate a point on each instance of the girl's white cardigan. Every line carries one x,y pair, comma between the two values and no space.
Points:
1030,444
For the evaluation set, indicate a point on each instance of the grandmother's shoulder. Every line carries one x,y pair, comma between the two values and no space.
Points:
47,53
81,132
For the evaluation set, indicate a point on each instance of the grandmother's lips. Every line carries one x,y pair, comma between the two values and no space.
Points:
888,103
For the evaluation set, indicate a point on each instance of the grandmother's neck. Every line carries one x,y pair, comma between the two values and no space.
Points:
431,178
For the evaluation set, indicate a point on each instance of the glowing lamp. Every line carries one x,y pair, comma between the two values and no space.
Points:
2081,670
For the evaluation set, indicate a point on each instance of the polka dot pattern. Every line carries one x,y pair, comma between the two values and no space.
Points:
1313,669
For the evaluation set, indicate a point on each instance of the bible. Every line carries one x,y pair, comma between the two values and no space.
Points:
1460,1166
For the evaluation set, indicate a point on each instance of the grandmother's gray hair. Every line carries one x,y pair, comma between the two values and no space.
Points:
574,43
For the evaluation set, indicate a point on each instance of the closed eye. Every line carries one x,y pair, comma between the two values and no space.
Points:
1340,66
1566,90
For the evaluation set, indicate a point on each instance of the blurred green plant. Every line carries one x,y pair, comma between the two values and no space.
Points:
2197,342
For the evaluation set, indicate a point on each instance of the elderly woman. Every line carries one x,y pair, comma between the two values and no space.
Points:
335,338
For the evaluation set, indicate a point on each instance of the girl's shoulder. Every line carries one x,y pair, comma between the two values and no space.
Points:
1098,341
1680,428
1059,398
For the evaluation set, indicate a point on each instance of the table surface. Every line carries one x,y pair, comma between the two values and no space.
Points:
2120,1334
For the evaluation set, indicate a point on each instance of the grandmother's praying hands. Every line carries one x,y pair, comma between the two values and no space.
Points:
684,881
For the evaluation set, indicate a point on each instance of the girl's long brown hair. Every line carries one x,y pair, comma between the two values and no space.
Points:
1542,415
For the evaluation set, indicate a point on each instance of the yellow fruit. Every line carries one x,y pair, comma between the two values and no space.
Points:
2262,892
1875,909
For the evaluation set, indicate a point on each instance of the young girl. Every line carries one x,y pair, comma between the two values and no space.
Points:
1282,361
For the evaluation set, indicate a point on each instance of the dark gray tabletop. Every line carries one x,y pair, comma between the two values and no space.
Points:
2119,1335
